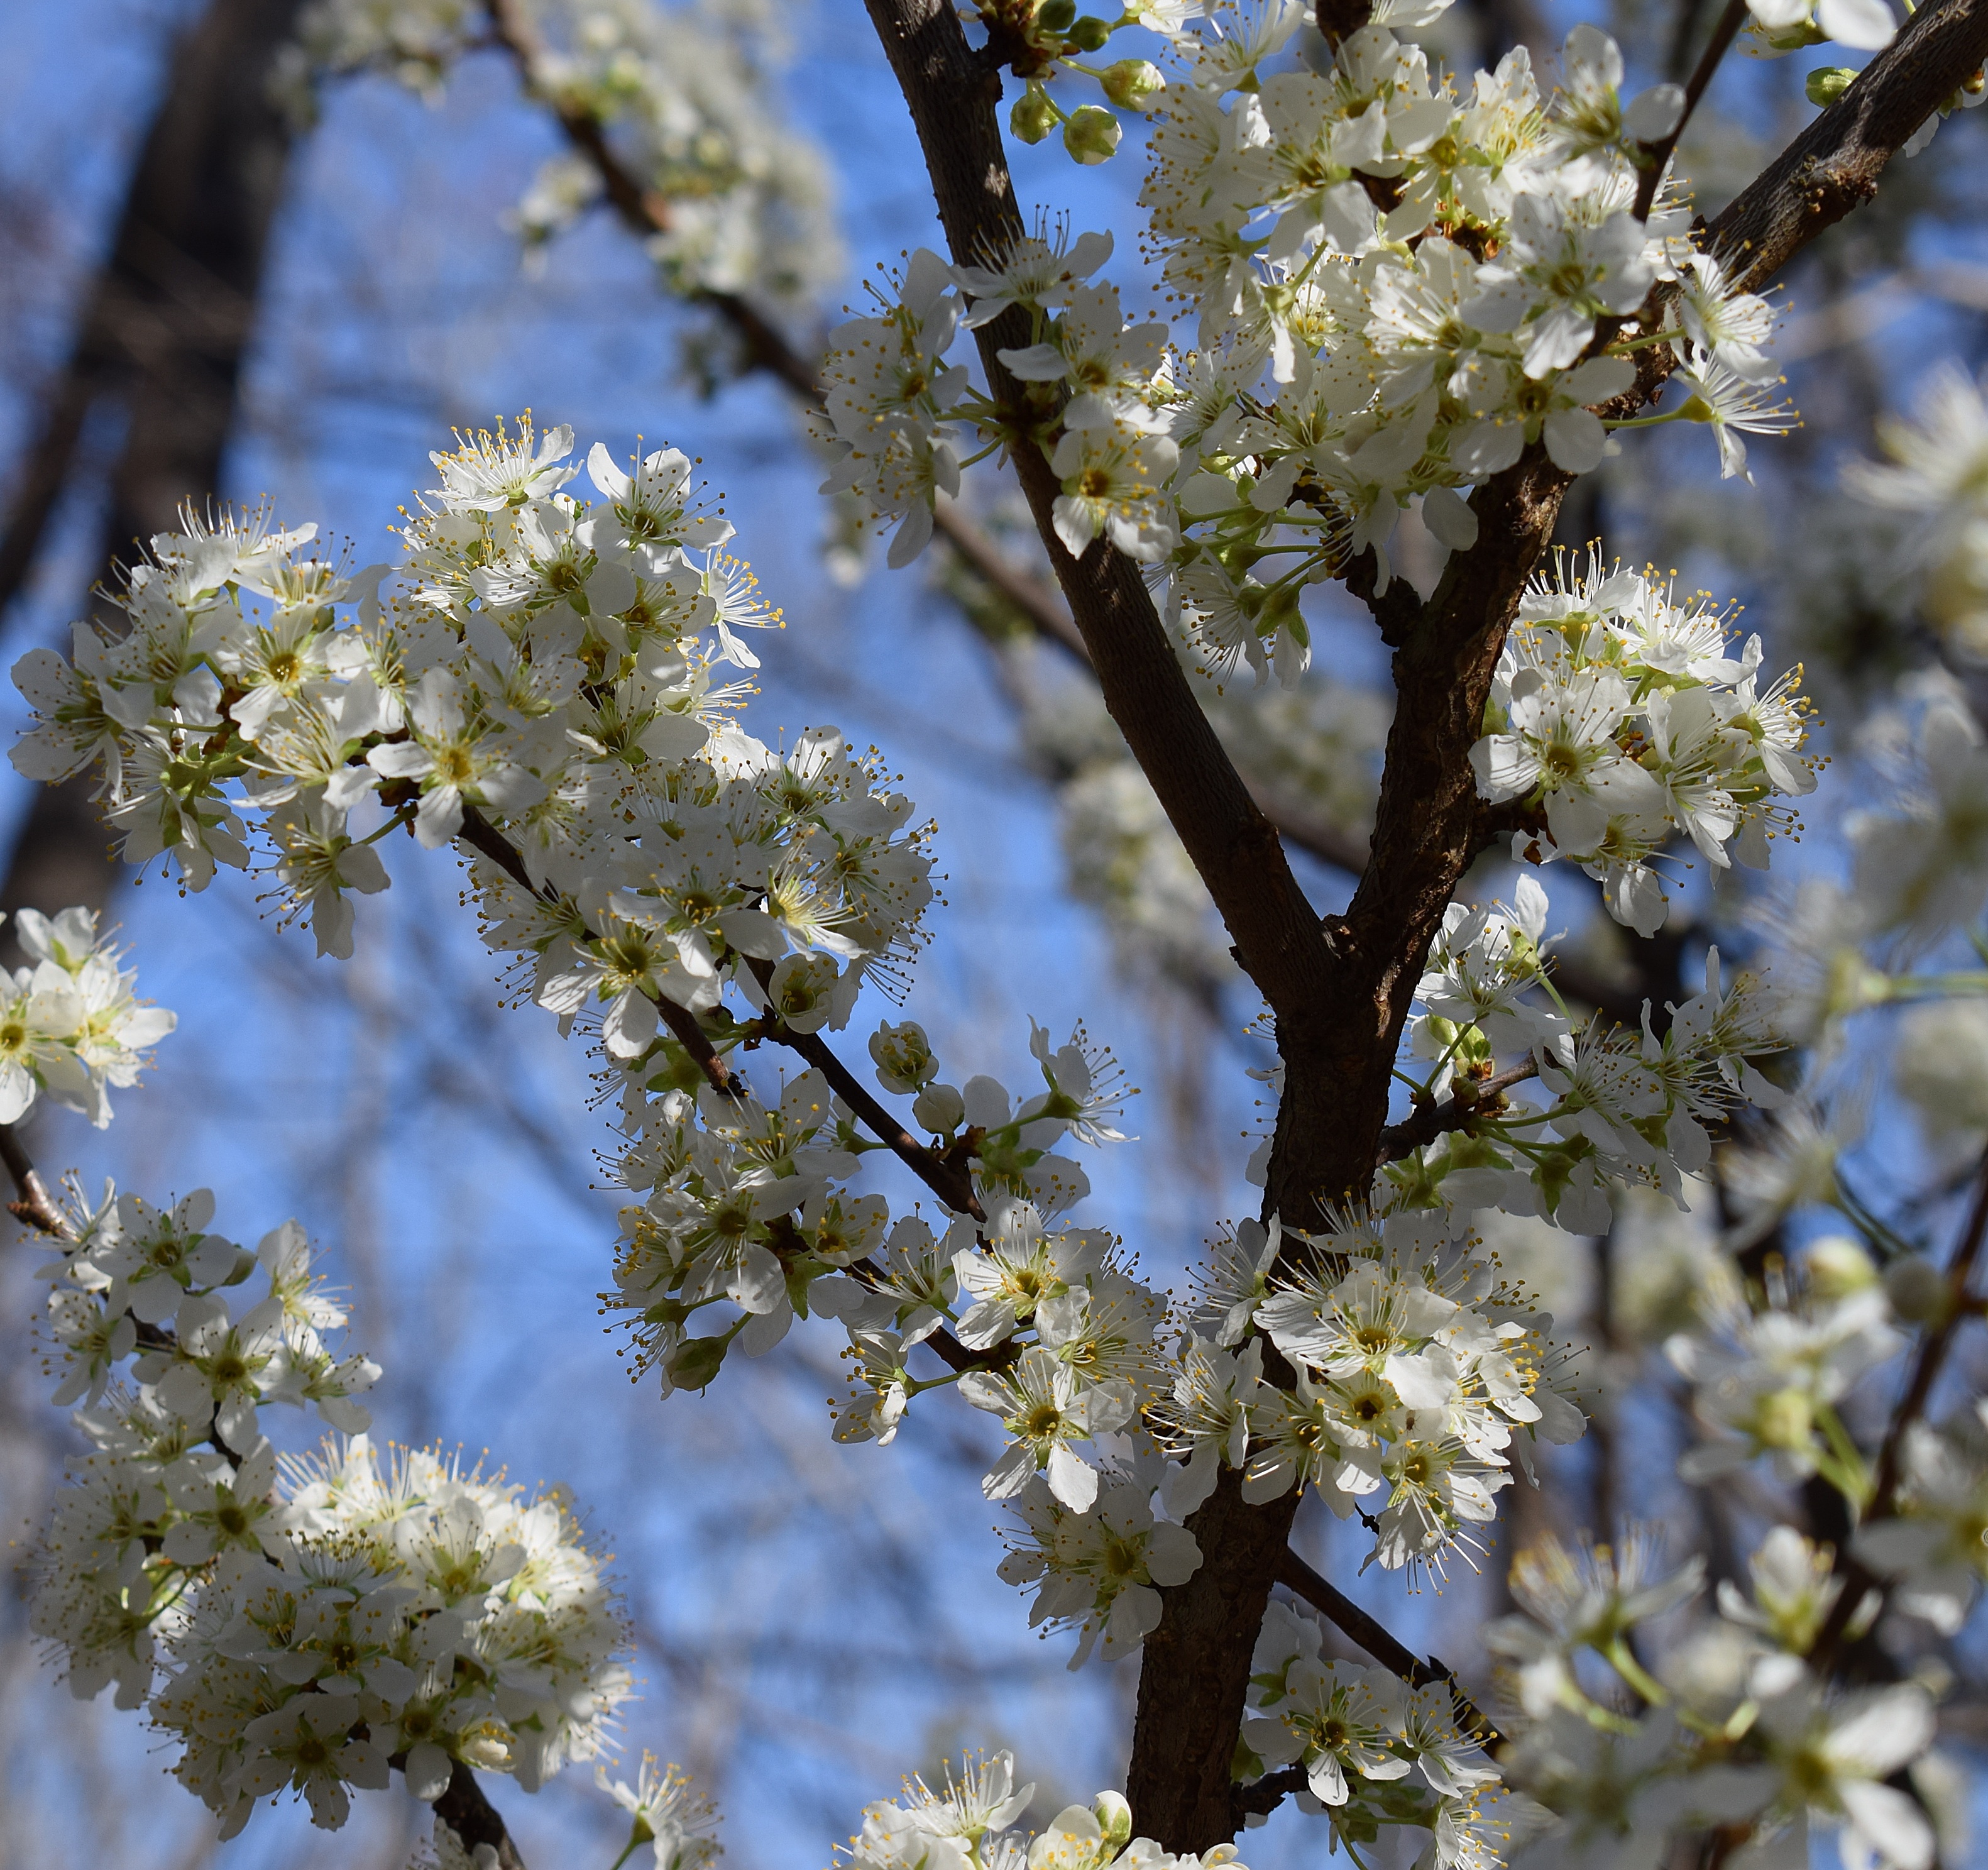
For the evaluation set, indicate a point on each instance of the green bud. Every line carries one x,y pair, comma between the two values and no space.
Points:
246,1262
1114,1817
1057,15
1033,116
695,1362
1091,135
1828,83
1132,84
1089,35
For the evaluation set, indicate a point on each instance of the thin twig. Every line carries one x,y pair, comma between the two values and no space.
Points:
945,1179
1458,1111
1655,157
33,1207
1933,1347
1373,1636
1270,1791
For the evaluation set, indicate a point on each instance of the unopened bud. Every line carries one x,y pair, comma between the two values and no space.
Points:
1091,135
1056,15
695,1362
940,1109
1033,116
1115,1816
1132,84
1828,83
1089,34
903,1055
1918,1290
1837,1266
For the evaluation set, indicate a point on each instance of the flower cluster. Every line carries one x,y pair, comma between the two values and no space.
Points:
972,1826
1374,1751
71,1028
298,1623
1767,1381
1400,286
1415,1367
1739,1732
1937,477
683,98
1628,1108
538,664
1620,718
1095,1571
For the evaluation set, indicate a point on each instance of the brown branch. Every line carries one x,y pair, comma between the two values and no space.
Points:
1834,164
952,95
1885,1477
1269,1792
1468,1101
945,1179
1393,1655
465,1810
1340,994
1655,157
33,1208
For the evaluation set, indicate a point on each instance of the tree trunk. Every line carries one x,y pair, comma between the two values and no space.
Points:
163,329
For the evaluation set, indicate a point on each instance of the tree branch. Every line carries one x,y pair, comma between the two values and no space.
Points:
1884,1479
1469,1101
1373,1636
945,1179
1656,156
1833,165
951,95
33,1207
465,1810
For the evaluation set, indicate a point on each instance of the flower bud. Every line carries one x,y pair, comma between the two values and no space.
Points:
1091,135
1033,117
1837,1266
1114,1817
1828,83
940,1109
1132,84
695,1362
1090,34
1918,1289
1056,15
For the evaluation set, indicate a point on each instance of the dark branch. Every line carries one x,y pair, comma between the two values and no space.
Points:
946,1179
1373,1636
1656,156
1469,1099
32,1206
1932,1351
465,1810
1833,165
1268,1792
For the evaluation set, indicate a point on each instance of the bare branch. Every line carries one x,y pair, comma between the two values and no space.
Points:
33,1208
1656,156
